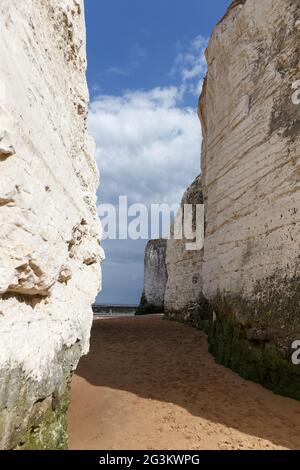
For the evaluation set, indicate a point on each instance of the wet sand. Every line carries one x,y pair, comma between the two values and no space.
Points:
151,384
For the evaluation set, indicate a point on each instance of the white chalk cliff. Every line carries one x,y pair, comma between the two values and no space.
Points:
49,238
184,266
250,114
155,277
248,274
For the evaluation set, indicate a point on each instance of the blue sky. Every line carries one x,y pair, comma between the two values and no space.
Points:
145,69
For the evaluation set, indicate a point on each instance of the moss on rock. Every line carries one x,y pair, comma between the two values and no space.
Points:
196,314
148,309
49,431
254,337
260,362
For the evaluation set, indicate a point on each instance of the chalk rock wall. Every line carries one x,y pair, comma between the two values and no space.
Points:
155,277
183,298
49,238
250,114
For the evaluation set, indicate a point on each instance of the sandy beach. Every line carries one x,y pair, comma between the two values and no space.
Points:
152,384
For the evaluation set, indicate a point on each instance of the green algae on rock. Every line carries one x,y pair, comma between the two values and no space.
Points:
48,431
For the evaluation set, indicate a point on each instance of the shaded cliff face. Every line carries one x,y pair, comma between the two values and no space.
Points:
155,277
250,116
49,240
183,297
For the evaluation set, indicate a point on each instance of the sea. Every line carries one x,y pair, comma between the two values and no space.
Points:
114,311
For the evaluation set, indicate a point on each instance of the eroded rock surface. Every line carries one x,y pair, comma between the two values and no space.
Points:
250,113
49,239
155,277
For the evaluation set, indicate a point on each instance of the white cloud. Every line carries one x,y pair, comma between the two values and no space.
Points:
117,71
190,66
148,147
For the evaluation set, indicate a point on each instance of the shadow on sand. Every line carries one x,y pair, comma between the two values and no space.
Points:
169,362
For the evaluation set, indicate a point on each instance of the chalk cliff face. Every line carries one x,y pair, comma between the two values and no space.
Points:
155,277
183,297
250,114
49,239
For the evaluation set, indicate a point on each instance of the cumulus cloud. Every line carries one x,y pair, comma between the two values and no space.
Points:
190,66
148,147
